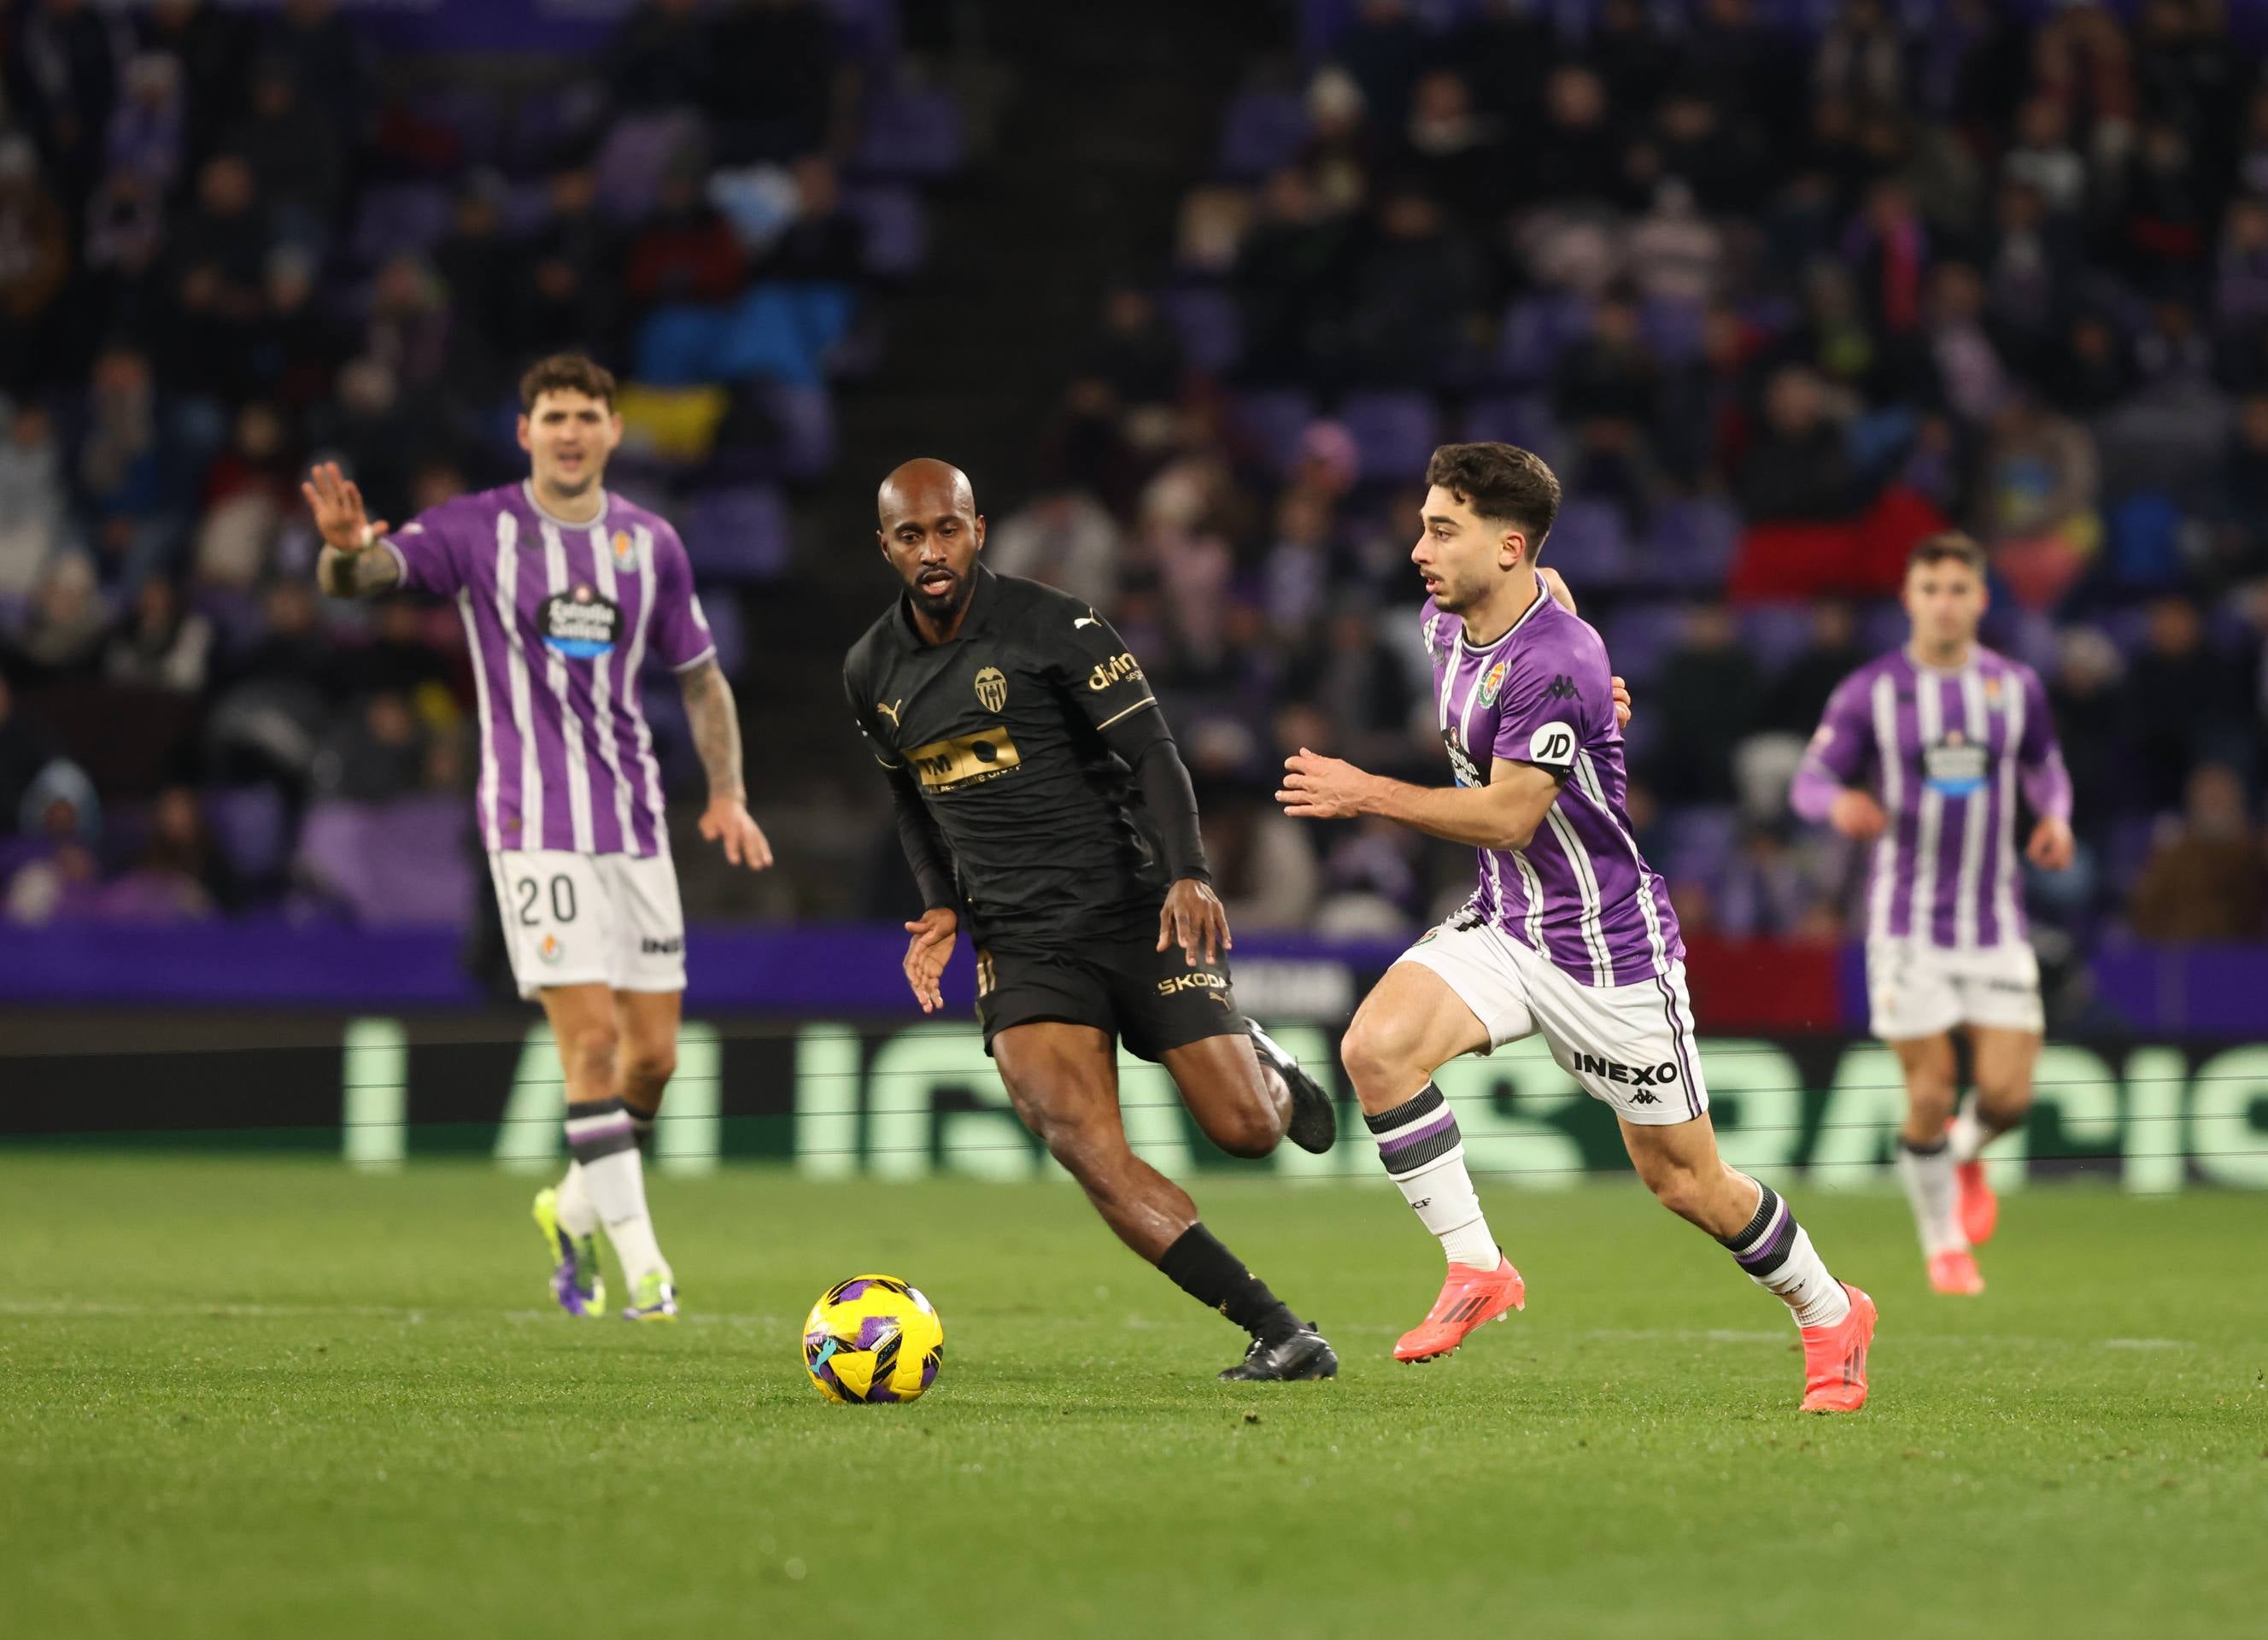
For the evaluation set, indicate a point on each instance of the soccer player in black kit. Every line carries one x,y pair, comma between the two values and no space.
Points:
1041,798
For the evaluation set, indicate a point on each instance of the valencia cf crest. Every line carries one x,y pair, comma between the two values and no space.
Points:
991,689
1490,684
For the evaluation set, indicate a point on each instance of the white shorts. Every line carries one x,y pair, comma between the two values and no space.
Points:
591,919
1631,1047
1916,989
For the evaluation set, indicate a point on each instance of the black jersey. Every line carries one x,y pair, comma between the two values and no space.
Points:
1002,729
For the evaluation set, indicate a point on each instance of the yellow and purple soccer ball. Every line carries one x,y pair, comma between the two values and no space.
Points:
873,1338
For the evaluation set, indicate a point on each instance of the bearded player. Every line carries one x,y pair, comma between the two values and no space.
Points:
1923,753
564,590
1568,933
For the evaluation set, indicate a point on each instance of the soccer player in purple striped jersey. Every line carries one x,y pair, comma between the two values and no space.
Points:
1568,932
565,590
1923,753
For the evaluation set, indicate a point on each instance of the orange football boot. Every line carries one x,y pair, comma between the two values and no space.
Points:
1955,1271
1980,1208
1469,1298
1835,1358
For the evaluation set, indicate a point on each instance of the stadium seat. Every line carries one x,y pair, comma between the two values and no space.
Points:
1262,131
896,231
911,131
1273,419
1207,324
1515,418
784,332
1672,329
1537,329
804,419
1692,543
398,863
1775,634
1393,433
1591,542
738,533
1640,637
252,829
635,158
396,217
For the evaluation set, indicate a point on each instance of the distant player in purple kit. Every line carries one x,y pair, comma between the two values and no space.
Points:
1567,933
565,590
1923,753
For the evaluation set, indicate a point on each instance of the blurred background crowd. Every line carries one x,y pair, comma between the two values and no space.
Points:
1776,287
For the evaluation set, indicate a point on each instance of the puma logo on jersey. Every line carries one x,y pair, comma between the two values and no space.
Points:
1085,621
890,711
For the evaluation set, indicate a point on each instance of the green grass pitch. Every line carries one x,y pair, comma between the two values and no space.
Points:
250,1397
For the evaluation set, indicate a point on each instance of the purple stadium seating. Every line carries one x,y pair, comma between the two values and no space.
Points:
400,863
1393,433
1591,544
738,533
805,417
1640,637
868,29
399,217
637,156
1775,634
1205,319
897,231
1274,418
911,131
1537,329
1261,132
1672,329
251,828
1882,627
1515,418
1692,543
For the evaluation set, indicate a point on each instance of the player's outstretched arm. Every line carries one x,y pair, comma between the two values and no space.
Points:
347,567
1502,814
2046,783
716,723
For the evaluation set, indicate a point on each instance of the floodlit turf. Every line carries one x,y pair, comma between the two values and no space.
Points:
251,1397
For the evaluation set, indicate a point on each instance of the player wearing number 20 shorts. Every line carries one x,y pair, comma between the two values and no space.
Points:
566,591
1568,933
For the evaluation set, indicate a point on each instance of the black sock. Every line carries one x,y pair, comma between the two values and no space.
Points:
641,1126
1214,1277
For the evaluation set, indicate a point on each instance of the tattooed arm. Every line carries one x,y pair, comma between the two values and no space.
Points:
716,725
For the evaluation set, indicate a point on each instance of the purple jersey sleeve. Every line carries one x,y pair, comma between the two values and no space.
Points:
1838,754
1554,695
2039,760
681,631
428,550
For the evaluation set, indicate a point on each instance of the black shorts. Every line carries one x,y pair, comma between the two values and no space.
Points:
1152,1000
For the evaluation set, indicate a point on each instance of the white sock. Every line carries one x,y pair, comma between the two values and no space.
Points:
1425,1155
1968,1137
577,1217
1776,1253
1927,1176
600,1137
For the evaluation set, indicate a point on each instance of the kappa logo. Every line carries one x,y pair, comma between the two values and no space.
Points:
1562,687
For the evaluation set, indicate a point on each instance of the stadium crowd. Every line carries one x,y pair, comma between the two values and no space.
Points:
232,243
1777,288
1776,297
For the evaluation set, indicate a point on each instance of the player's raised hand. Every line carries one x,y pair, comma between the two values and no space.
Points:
927,953
1193,919
728,820
1857,815
2052,846
336,502
1558,588
1621,703
1316,787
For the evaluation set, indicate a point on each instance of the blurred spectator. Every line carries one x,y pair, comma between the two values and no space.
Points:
376,753
1358,682
292,145
1797,699
1972,380
2189,705
2206,880
33,522
2043,160
210,48
567,297
1415,291
1798,467
2094,726
776,84
1284,275
1452,150
1861,55
1062,537
161,645
663,56
245,494
179,877
1710,690
1608,394
1674,252
2036,506
63,815
148,131
1578,158
67,622
1136,352
27,746
821,241
61,81
34,257
1382,50
685,252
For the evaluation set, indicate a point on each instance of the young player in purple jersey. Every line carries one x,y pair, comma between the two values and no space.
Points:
564,591
1923,753
1568,933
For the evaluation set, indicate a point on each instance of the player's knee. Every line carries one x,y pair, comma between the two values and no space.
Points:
1681,1190
1247,1130
2003,1101
1379,1052
589,1053
646,1071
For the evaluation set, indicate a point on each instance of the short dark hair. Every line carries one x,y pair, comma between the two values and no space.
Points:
1949,545
1500,481
566,372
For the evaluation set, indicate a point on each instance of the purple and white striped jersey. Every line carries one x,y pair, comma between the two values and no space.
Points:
1945,753
1579,894
560,616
